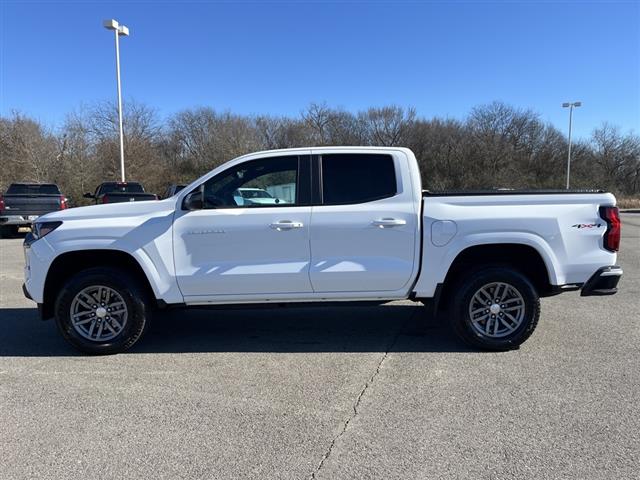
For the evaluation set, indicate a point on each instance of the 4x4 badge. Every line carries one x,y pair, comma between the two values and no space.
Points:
587,225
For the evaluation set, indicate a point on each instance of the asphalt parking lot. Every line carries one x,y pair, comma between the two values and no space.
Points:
327,393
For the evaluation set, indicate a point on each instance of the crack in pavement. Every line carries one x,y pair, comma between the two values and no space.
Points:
361,395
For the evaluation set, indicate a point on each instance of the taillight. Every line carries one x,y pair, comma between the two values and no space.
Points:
64,202
105,199
611,239
1,203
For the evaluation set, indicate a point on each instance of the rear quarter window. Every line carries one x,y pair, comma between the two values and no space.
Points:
357,178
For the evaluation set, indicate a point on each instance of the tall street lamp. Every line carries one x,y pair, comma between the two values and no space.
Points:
570,106
119,30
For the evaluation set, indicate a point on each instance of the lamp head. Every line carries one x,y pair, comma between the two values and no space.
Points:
110,24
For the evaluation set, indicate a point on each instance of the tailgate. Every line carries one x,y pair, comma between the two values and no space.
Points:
121,197
31,204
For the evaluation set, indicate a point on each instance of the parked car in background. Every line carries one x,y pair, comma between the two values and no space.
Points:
173,189
118,192
22,203
255,196
360,229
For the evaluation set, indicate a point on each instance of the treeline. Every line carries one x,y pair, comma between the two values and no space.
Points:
495,146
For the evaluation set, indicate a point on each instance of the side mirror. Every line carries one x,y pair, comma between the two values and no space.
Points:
193,201
88,195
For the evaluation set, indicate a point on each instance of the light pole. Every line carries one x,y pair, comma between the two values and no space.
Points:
119,30
571,106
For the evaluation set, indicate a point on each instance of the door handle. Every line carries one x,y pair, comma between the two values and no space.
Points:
285,225
389,222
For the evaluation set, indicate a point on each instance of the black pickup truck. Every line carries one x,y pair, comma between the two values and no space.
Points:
173,189
118,192
22,203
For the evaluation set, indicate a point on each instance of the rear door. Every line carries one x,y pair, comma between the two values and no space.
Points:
364,227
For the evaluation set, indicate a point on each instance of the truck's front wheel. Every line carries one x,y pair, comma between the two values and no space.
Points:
102,311
495,308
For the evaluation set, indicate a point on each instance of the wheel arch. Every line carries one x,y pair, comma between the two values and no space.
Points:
67,264
523,258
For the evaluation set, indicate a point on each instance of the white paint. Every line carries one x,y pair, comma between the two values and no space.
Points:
331,252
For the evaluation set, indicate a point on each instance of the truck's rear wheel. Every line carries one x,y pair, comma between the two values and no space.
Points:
8,231
102,311
495,308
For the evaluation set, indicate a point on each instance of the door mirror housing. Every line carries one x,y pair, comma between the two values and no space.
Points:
193,201
89,195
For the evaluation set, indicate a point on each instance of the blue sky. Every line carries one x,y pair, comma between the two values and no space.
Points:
443,58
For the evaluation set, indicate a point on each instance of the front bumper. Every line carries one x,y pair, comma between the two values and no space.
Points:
603,282
26,292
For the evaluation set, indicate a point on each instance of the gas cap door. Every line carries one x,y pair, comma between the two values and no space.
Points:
442,232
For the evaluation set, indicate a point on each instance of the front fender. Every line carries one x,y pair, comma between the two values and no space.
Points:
148,240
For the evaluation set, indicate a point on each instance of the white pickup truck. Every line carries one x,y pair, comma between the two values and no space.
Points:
360,229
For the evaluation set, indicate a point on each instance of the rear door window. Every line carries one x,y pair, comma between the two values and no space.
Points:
357,178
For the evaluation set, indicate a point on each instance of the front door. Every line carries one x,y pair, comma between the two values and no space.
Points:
251,236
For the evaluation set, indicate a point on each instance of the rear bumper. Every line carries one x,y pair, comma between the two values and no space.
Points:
16,220
603,282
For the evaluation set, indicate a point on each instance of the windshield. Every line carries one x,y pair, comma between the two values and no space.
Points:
254,193
121,188
27,189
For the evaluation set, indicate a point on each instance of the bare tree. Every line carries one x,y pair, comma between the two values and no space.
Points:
497,145
387,126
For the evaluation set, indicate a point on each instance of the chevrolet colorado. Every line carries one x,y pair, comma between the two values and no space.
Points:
360,229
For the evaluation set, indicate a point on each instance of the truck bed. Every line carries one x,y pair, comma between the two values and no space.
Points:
465,193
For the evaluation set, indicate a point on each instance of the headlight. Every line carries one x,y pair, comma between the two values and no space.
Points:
40,229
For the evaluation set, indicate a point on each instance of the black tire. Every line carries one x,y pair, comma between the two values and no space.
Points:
133,295
461,308
8,231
